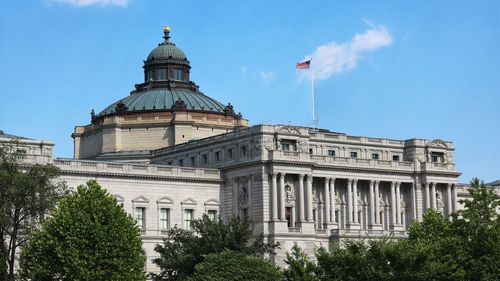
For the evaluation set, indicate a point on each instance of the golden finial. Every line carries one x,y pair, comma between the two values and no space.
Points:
166,28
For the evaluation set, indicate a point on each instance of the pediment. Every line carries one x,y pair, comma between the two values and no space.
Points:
212,202
437,143
140,199
165,200
189,201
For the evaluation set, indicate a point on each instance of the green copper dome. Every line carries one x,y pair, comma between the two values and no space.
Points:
164,99
166,50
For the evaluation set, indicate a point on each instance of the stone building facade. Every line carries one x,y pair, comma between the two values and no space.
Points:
170,154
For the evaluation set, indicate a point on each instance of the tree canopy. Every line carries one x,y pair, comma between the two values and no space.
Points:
27,193
235,266
88,237
183,249
466,247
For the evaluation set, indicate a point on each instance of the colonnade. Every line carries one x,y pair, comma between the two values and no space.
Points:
304,202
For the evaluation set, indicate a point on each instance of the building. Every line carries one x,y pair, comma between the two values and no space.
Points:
169,154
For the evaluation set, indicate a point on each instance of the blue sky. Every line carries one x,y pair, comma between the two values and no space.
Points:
418,69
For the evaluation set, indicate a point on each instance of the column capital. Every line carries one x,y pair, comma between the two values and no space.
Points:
355,180
274,174
309,177
283,174
301,176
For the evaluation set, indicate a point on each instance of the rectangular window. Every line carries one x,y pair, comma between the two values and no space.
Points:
193,161
285,146
139,217
331,153
212,215
217,156
188,218
243,151
354,155
310,151
205,158
181,163
244,213
395,157
230,153
288,216
161,74
164,218
375,156
437,157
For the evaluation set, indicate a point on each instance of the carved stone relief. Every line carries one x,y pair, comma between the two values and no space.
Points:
290,130
269,143
243,196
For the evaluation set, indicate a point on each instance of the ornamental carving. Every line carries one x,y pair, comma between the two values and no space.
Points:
448,158
338,201
268,143
289,193
420,156
437,143
314,195
439,203
303,146
289,130
257,145
243,196
402,203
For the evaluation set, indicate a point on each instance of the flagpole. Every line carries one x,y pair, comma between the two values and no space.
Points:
313,99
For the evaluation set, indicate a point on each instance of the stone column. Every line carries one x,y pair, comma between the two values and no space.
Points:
332,200
427,196
235,196
398,202
414,200
274,198
433,195
372,204
393,203
301,198
355,199
349,201
448,197
282,197
309,198
327,201
249,194
455,201
377,203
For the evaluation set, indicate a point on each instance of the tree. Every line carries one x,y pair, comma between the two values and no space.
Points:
27,193
183,249
235,266
88,237
300,267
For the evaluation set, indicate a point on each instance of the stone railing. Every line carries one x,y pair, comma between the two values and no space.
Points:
340,161
70,165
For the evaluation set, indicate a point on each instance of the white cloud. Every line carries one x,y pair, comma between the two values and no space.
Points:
83,3
335,58
267,76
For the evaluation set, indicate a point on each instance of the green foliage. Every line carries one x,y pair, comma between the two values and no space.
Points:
300,267
357,260
88,237
235,266
27,193
184,249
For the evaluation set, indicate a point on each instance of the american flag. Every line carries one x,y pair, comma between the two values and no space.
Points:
303,65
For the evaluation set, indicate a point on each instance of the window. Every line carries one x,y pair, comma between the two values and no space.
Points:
193,161
437,157
230,153
395,157
310,151
164,218
161,74
139,217
354,155
212,215
375,156
244,213
285,146
188,218
181,162
288,216
243,151
205,158
331,153
149,75
217,156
